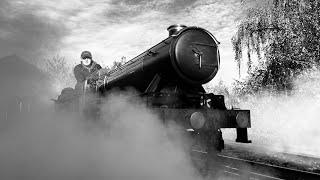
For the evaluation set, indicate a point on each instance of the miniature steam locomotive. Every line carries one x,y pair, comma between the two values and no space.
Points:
169,78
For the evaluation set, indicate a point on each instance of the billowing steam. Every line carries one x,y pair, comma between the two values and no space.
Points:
128,143
288,122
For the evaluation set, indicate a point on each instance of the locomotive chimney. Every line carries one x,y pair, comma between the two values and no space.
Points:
174,29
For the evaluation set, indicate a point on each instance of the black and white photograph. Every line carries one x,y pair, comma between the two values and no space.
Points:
154,90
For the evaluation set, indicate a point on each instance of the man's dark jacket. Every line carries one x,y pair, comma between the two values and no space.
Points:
81,72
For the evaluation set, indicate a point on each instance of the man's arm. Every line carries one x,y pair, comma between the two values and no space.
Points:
78,75
95,74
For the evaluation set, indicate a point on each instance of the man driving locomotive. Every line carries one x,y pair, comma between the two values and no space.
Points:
83,70
84,74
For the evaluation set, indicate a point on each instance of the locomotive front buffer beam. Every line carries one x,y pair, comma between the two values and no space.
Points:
209,120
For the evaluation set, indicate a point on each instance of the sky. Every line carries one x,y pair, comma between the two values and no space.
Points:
110,29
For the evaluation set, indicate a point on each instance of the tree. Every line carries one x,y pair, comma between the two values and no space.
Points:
118,64
285,36
58,69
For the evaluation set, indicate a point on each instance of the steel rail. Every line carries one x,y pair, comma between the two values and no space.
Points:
257,170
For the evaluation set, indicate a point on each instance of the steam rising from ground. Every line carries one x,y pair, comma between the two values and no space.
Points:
129,143
288,122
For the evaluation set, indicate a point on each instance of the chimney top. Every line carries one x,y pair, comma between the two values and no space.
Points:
174,29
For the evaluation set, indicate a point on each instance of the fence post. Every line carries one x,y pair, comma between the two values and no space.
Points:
20,106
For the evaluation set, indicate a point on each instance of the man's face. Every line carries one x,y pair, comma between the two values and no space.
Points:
86,61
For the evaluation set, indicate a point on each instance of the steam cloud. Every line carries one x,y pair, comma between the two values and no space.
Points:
288,122
128,143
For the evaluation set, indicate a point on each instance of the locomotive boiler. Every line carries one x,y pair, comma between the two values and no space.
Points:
189,57
169,78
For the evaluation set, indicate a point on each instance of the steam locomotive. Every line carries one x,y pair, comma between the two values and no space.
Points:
169,78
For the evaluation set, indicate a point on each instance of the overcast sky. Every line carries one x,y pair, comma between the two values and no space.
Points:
110,29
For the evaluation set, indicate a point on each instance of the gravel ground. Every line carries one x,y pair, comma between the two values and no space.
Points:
260,154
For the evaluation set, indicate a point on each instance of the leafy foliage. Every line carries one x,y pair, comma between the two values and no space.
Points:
221,88
285,36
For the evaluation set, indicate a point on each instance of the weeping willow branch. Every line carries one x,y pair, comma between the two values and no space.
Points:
284,34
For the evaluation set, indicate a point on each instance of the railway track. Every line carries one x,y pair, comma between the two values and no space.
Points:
244,169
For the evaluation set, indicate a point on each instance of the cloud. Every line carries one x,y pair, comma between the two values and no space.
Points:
128,10
25,33
130,27
109,28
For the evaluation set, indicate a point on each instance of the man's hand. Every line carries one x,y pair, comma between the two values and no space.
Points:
97,78
94,76
99,82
